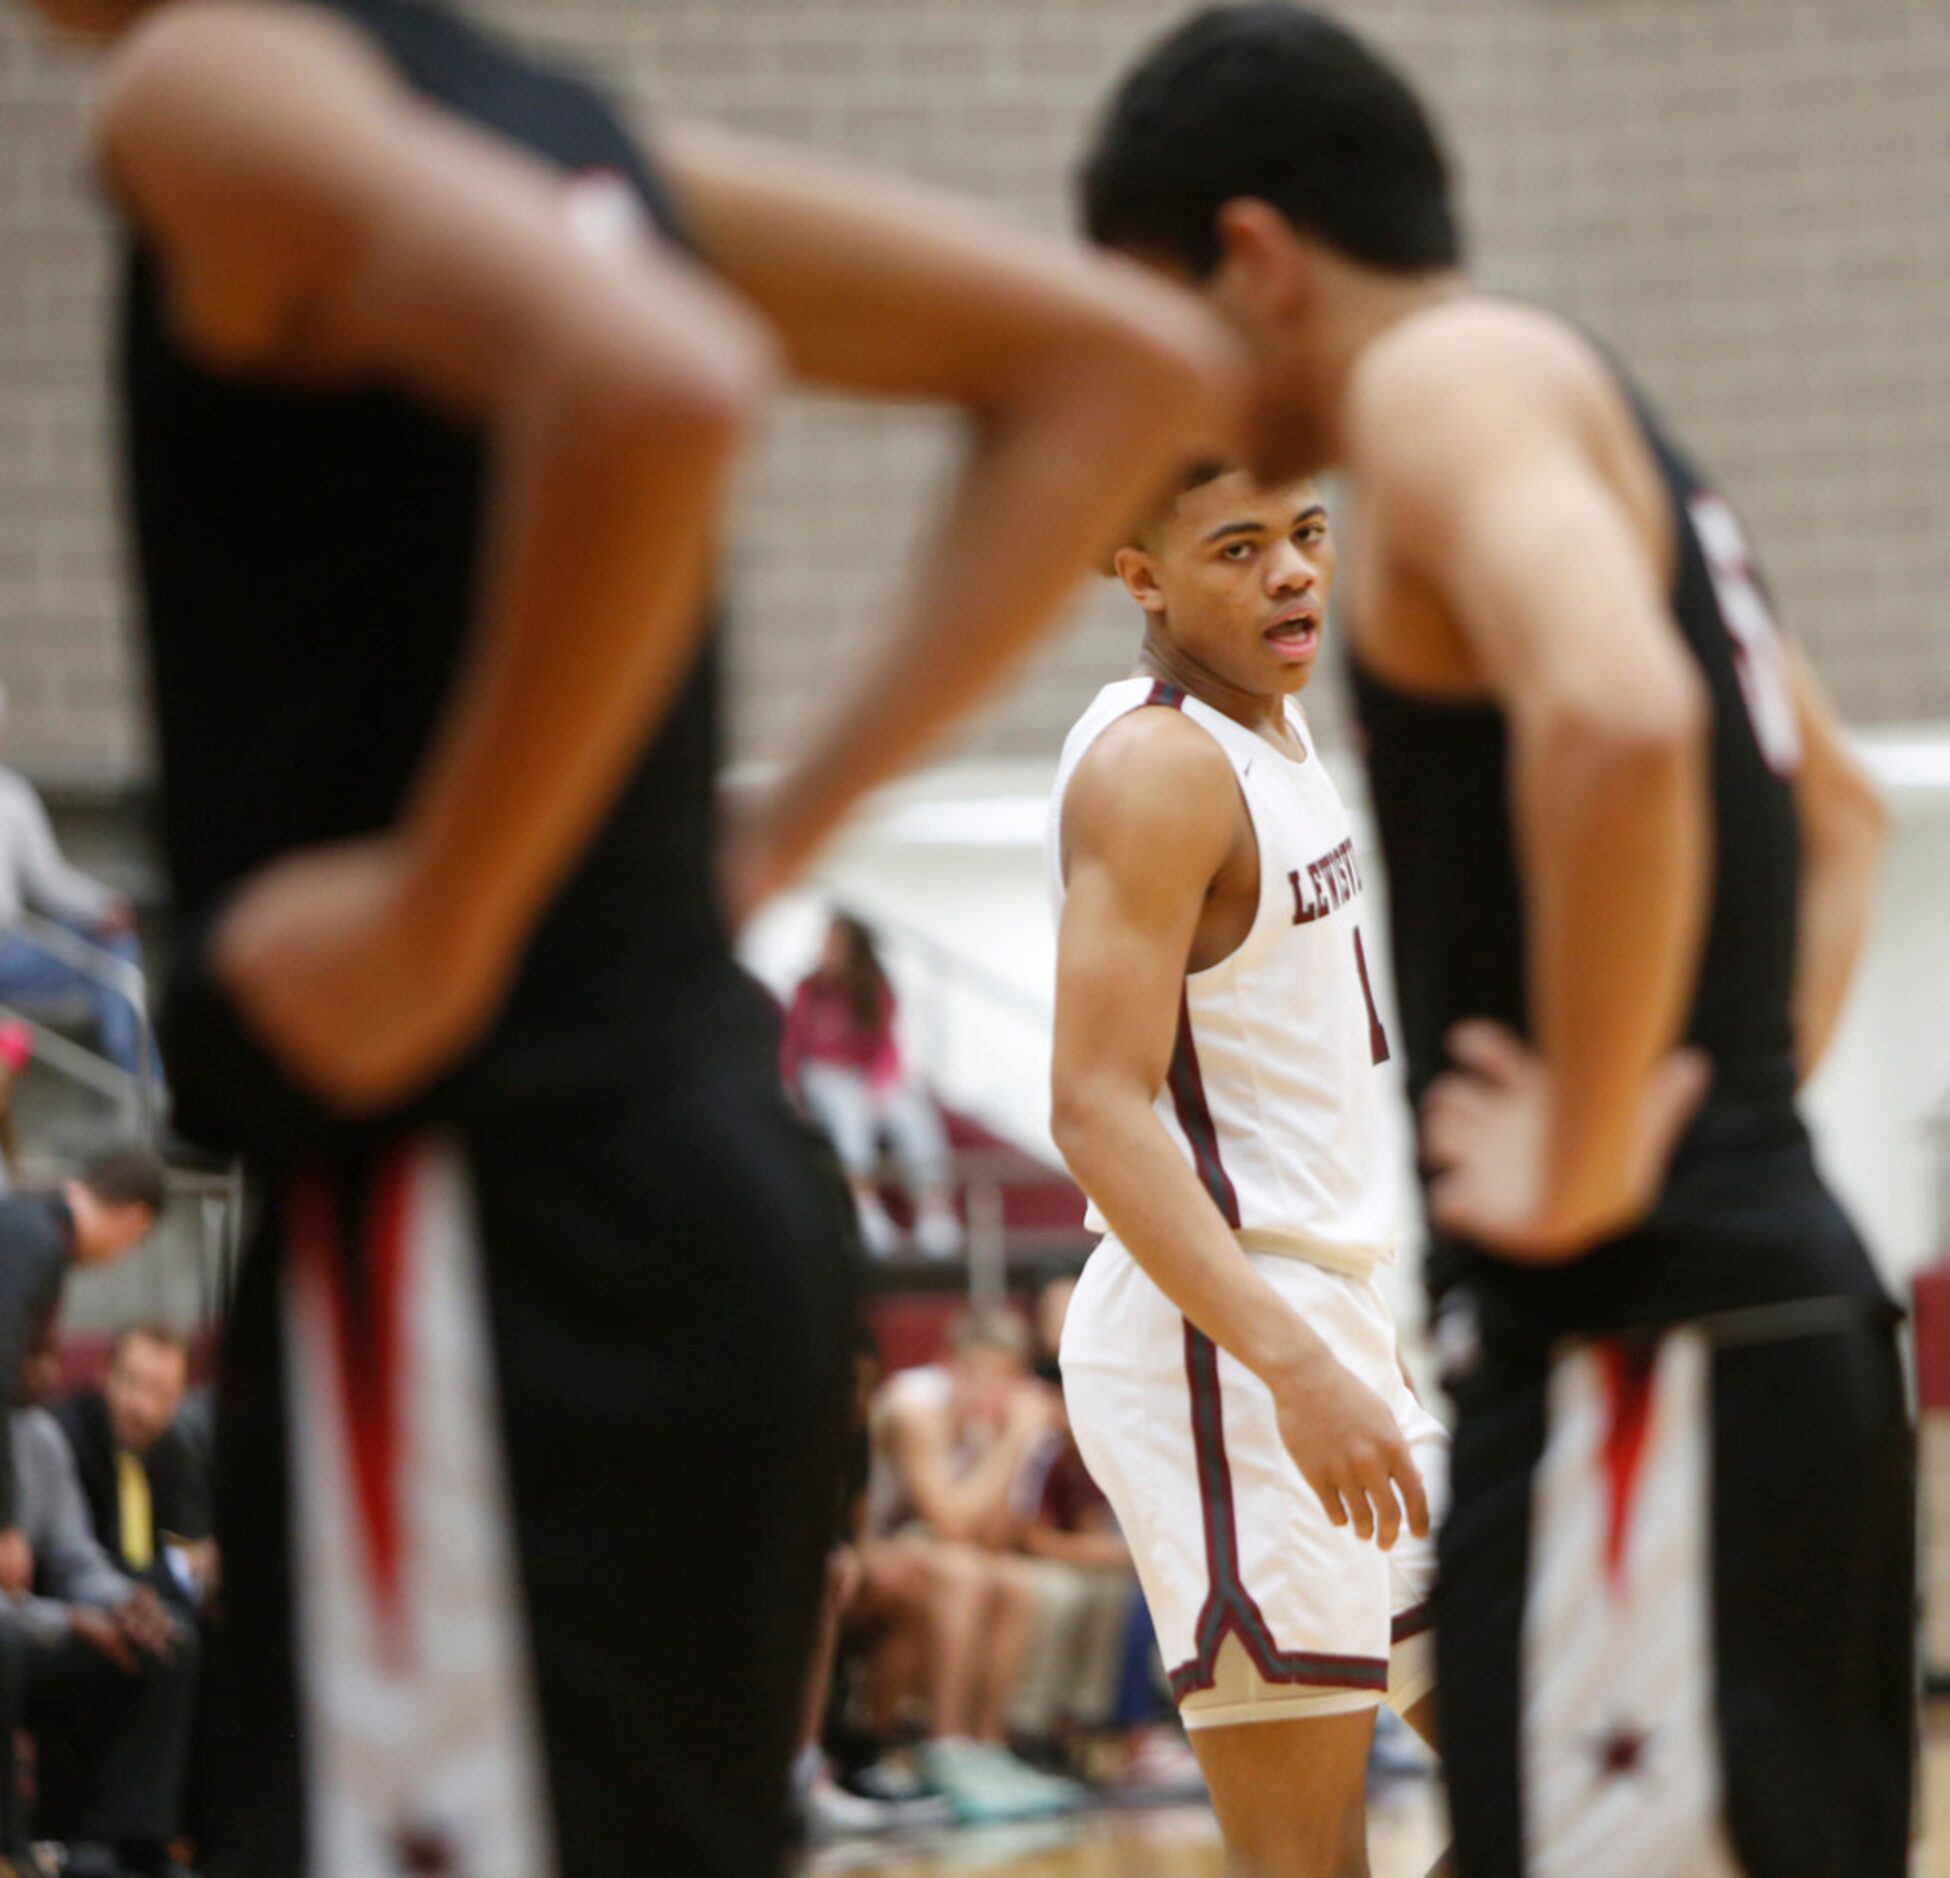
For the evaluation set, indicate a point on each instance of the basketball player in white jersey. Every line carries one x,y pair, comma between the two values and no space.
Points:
1230,1365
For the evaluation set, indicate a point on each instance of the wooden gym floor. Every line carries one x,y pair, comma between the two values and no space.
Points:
1404,1837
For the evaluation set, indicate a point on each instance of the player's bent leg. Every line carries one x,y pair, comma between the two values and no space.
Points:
1291,1795
670,1325
1011,1631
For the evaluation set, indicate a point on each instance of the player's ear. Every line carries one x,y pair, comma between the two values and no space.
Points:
1263,265
1139,573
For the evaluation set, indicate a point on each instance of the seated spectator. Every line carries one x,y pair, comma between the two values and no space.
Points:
1085,1581
842,1058
101,1215
147,1489
35,874
95,1665
956,1608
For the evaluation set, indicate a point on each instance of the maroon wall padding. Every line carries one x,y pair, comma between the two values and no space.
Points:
1932,1322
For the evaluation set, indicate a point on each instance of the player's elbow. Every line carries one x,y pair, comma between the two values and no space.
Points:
1081,1111
1849,813
699,395
1651,731
1184,367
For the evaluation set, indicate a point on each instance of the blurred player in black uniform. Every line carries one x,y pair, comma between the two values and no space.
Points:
434,382
1630,865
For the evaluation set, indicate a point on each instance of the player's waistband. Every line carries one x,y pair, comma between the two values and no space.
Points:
1349,1261
1353,1261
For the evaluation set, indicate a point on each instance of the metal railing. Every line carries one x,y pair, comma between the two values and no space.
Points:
139,1094
140,1089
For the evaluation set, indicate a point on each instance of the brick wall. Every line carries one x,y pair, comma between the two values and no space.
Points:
1751,198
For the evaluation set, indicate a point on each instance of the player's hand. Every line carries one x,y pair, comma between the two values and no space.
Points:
1486,1133
146,1624
1350,1450
1032,1412
350,979
102,1634
16,1562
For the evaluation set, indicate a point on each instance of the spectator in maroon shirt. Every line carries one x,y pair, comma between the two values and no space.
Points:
843,1058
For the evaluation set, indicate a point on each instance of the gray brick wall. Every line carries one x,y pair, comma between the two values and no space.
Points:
1751,198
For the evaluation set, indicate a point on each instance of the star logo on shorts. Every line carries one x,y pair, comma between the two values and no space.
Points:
1620,1751
424,1851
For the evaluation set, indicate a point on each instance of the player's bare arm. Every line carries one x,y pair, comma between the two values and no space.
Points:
314,222
1498,460
974,1506
1149,821
1085,382
1844,826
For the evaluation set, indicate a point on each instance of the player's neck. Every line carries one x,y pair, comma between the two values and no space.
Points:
1263,713
1366,305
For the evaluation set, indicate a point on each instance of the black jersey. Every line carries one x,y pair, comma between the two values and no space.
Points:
1744,1217
310,568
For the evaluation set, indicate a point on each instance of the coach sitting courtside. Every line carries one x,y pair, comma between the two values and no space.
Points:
145,1481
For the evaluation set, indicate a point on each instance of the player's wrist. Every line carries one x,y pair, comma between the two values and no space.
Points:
1284,1353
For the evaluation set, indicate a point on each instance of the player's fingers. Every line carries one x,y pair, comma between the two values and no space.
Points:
1446,1130
1360,1508
1448,1204
1329,1496
1454,1094
1488,1050
1415,1498
1388,1514
1672,1098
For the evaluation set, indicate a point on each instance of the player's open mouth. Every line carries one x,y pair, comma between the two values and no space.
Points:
1295,637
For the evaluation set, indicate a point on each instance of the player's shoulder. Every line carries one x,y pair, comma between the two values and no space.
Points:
1152,785
1464,373
1148,762
214,45
224,85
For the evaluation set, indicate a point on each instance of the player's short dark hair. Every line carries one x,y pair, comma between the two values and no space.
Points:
150,1330
127,1177
1193,476
1278,102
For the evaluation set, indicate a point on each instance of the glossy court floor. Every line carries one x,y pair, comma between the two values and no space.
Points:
1405,1835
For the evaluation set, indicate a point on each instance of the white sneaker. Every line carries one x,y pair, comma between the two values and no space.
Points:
830,1812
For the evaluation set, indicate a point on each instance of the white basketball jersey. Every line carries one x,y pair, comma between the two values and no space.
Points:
1274,1094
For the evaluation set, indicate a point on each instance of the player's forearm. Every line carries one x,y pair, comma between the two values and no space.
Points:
1048,480
1615,833
1094,1551
1838,881
605,511
1143,1186
976,1506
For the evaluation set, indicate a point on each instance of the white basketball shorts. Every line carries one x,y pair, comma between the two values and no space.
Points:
1265,1609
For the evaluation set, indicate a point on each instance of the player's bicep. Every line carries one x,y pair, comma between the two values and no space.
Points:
1836,800
1146,829
1483,454
312,215
1558,594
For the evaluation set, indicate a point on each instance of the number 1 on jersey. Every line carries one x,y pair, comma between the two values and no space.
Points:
1377,1035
